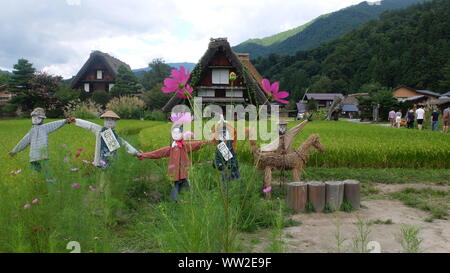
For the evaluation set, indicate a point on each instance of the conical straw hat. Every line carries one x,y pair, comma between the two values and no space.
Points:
110,114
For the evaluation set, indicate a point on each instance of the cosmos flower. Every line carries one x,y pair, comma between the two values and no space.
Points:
182,117
272,91
76,185
86,161
178,83
268,189
26,206
16,172
74,169
80,149
35,201
78,155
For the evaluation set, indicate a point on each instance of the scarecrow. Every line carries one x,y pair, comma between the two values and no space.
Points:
107,140
37,138
225,157
179,161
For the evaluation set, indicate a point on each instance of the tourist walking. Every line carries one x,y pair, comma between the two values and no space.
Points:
391,118
420,116
398,118
435,120
410,119
446,121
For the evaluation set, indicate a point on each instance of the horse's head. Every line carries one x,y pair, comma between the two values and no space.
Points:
315,141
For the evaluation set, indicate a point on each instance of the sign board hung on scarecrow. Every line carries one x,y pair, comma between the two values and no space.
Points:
223,149
110,140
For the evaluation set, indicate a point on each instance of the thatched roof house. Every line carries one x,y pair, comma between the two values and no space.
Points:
98,73
210,78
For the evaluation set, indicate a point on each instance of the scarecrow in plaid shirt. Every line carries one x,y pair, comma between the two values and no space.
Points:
37,138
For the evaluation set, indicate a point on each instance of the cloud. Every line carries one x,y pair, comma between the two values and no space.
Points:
58,35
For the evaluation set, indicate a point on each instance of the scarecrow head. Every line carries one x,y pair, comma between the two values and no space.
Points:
109,119
177,132
38,116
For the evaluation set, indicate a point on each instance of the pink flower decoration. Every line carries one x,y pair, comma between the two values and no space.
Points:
76,185
268,189
26,206
35,201
188,134
182,117
80,149
272,91
74,169
178,83
16,172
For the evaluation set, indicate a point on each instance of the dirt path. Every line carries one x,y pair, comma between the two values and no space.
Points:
317,230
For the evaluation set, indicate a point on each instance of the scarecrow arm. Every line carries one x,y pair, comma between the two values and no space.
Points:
195,146
53,126
130,149
94,128
160,153
22,144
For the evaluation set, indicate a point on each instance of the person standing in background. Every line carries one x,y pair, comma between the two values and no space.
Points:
410,119
446,120
391,118
435,120
398,118
420,116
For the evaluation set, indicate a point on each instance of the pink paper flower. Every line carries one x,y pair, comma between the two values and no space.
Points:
35,201
268,189
272,91
26,206
16,172
178,83
188,134
74,169
182,117
76,185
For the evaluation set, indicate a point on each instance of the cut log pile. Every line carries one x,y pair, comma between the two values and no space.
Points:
323,195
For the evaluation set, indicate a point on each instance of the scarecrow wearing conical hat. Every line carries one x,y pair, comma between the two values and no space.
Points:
107,139
37,138
178,156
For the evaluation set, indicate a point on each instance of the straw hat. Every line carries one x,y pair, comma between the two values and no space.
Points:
110,114
38,112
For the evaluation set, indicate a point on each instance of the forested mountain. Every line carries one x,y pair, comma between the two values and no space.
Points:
405,47
322,29
140,71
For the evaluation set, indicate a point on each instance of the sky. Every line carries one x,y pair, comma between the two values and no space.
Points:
57,36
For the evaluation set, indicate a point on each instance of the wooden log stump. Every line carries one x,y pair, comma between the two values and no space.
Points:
297,196
334,194
352,193
316,195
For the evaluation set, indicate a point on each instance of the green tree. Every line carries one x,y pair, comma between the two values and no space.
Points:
445,82
126,83
155,98
312,105
323,84
101,97
159,71
20,81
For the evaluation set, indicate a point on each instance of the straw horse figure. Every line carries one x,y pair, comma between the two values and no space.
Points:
294,160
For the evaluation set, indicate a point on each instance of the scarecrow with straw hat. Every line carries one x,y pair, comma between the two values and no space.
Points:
107,140
37,138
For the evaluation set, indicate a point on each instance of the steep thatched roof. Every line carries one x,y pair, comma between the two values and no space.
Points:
112,64
240,62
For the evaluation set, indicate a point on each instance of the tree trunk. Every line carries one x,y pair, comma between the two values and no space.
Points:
334,194
297,196
352,193
316,195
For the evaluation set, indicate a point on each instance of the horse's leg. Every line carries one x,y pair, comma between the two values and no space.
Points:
267,181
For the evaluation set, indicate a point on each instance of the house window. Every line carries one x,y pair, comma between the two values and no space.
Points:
206,93
99,74
111,85
234,94
220,76
86,87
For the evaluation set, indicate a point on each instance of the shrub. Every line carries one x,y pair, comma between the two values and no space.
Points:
127,107
84,110
155,115
101,97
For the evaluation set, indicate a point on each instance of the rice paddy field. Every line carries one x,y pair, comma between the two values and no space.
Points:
127,209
